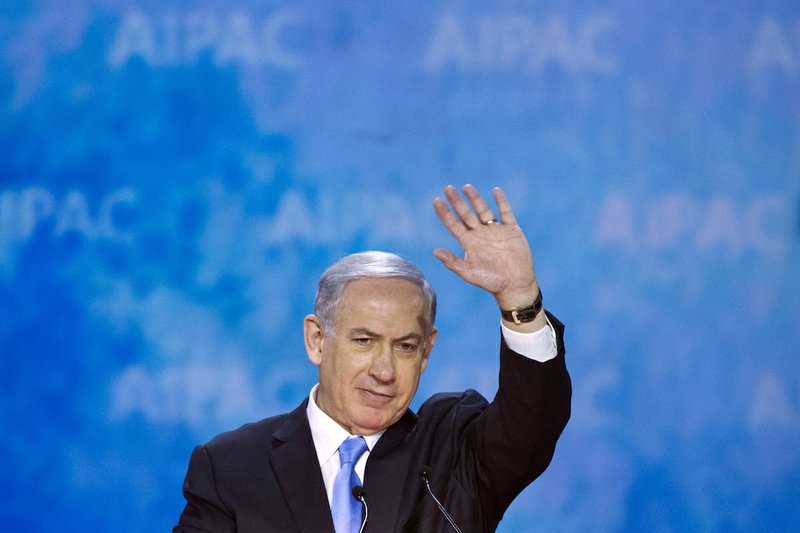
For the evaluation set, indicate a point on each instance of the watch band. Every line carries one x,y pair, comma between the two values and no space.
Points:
520,315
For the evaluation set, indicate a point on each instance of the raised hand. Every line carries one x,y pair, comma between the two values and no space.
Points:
497,256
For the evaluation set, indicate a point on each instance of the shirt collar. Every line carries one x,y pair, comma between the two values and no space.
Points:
327,434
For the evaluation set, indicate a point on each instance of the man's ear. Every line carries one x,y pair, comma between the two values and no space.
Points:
430,341
314,336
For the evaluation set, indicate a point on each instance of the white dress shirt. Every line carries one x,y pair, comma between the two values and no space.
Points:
328,435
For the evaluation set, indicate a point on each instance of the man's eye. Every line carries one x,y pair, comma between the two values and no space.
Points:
364,341
407,347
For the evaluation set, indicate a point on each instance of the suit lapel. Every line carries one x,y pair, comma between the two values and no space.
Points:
296,468
386,473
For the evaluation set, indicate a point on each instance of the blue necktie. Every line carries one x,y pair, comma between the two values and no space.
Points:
345,509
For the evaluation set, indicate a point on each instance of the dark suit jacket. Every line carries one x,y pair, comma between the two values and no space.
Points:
265,477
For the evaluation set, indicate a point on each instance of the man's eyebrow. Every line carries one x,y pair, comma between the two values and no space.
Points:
355,332
363,331
411,336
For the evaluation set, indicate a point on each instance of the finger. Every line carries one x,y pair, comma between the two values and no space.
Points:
465,212
503,207
453,224
485,214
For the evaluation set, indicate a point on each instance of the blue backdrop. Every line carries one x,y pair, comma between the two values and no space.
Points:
175,175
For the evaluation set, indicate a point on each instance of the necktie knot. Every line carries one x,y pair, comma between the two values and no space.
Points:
351,450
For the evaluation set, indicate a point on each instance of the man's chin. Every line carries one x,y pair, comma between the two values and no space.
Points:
372,424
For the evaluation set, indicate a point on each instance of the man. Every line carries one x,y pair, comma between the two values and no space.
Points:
455,465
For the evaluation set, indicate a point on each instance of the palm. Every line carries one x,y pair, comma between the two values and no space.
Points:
497,256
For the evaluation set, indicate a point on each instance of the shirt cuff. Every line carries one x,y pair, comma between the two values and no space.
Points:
539,345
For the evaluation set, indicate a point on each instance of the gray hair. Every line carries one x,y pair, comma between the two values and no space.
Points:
366,265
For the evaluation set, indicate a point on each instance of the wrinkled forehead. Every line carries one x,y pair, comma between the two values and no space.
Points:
383,299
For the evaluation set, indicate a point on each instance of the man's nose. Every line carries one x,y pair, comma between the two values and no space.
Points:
382,367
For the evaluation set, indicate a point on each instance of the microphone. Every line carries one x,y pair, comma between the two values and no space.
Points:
361,496
425,476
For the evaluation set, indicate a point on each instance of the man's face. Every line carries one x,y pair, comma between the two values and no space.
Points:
369,366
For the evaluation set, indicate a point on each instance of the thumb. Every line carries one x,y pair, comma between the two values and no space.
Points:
449,260
445,256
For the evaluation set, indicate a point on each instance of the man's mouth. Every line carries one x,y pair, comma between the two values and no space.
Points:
375,398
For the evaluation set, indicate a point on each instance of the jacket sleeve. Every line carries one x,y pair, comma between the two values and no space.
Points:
512,442
205,510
